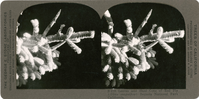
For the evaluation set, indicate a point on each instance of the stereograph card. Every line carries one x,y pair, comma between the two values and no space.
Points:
99,49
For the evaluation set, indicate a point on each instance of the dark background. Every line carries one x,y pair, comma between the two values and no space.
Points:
84,71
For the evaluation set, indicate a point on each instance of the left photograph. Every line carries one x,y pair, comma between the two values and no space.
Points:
58,47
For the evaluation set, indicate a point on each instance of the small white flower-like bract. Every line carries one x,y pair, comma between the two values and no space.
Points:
105,69
25,76
32,76
17,76
136,70
128,76
107,14
26,35
42,41
42,70
35,49
35,22
120,76
110,76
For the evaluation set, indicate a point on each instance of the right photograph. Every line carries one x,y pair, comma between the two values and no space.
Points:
143,47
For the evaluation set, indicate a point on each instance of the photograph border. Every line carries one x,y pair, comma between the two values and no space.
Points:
189,10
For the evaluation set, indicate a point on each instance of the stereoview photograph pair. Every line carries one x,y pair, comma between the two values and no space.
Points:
69,46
